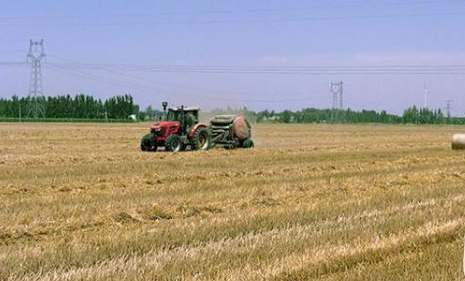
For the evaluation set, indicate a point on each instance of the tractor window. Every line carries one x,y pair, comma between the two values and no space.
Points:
191,119
173,116
196,116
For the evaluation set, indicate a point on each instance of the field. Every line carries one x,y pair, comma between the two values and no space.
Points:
325,202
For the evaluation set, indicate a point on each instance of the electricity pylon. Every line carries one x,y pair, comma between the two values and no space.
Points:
35,55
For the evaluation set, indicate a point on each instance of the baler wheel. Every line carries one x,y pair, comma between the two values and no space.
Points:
201,140
174,143
248,143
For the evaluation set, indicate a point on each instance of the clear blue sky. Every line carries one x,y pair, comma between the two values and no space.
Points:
239,33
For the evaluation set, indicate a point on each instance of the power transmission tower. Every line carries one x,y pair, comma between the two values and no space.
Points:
426,92
341,97
448,108
36,90
337,92
338,100
334,96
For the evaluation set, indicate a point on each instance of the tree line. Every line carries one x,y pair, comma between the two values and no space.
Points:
412,115
122,106
78,107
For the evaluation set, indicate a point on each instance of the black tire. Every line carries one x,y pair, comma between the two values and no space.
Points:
201,140
174,143
148,147
147,144
248,143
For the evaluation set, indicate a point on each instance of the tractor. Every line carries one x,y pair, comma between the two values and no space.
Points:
179,130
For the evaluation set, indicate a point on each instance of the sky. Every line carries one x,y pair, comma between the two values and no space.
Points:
143,47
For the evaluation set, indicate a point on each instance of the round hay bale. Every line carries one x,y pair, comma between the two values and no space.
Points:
458,141
241,128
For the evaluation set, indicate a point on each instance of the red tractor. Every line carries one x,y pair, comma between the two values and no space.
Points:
180,129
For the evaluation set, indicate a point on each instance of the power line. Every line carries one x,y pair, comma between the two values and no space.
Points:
135,86
101,79
105,79
118,83
12,63
87,71
11,51
236,11
354,70
322,18
268,67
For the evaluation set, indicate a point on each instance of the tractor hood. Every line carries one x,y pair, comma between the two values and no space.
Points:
164,124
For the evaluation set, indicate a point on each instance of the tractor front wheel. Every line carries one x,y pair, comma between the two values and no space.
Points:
148,147
147,143
174,143
201,140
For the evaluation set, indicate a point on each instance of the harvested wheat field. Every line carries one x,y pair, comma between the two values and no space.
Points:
326,202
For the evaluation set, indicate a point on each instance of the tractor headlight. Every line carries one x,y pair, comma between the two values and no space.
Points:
157,129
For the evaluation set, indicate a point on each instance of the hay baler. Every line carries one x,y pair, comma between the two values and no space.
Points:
231,131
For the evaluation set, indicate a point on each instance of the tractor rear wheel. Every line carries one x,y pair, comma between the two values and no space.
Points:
174,143
201,140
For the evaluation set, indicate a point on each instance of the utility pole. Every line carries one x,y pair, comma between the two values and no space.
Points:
36,91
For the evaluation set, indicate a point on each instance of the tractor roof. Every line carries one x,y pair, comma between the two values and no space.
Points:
190,108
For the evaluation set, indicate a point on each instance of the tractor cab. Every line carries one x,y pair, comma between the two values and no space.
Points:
187,117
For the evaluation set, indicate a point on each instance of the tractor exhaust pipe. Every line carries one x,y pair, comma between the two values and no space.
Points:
165,105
